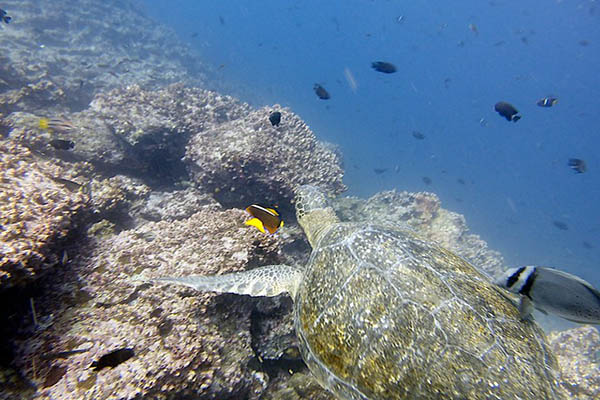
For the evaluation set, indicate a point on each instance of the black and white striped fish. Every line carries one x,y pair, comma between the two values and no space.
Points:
553,291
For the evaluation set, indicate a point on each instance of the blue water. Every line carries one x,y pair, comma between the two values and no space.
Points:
449,77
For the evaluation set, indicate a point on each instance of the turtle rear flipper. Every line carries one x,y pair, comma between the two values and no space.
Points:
269,280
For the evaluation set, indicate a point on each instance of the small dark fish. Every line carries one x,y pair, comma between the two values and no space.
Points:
74,186
560,225
587,245
321,92
60,144
499,43
427,180
264,217
418,135
583,42
4,17
275,118
113,359
447,82
577,165
380,171
194,35
382,66
547,101
507,111
461,181
222,20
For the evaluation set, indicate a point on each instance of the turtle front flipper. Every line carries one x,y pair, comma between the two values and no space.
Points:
269,280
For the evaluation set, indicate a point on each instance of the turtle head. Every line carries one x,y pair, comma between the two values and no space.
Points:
313,211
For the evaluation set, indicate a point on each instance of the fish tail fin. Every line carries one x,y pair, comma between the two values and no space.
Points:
257,223
515,118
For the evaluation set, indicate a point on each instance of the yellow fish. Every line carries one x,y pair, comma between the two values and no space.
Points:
264,218
59,125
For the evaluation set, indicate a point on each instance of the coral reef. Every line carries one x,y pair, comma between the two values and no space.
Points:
94,141
184,342
248,160
578,353
57,54
136,143
176,205
36,212
422,213
155,126
134,113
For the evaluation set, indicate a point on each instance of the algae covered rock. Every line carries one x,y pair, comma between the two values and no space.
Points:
250,160
183,343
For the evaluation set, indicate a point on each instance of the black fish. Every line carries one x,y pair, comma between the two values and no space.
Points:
382,66
461,181
113,359
547,101
560,225
507,111
60,144
577,165
418,135
275,118
379,171
4,17
427,180
321,92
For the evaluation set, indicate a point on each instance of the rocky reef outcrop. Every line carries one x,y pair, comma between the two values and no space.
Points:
57,54
37,211
183,342
578,354
249,160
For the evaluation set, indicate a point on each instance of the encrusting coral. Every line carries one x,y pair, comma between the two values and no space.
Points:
36,211
249,160
184,342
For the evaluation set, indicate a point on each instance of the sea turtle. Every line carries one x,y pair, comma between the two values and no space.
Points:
383,314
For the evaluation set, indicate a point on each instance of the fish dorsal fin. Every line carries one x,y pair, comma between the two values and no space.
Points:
572,277
269,280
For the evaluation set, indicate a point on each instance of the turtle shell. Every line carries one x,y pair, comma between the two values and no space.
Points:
383,314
